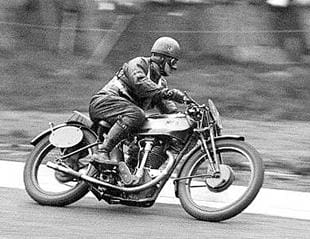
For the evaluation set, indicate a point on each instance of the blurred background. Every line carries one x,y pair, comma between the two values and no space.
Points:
250,56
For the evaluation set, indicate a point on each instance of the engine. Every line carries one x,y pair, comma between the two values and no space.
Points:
155,159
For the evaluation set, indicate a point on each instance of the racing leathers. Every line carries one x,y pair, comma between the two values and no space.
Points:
136,87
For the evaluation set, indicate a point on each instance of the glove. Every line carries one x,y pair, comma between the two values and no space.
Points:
187,100
176,95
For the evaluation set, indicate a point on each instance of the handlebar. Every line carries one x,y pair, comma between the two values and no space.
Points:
190,101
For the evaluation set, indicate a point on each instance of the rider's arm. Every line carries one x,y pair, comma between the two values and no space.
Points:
166,106
143,87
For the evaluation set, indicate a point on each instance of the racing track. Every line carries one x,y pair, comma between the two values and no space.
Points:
21,217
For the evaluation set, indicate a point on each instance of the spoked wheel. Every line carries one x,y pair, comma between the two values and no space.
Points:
217,199
43,184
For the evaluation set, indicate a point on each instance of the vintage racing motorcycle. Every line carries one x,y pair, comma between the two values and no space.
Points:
215,176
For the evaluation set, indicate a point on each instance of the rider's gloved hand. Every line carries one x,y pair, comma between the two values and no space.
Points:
176,95
187,100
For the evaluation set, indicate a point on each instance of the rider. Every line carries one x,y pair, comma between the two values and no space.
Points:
139,85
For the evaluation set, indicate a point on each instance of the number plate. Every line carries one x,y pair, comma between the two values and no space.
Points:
66,137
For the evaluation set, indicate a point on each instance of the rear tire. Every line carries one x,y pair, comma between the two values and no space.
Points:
32,185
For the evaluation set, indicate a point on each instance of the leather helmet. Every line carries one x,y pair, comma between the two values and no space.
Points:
166,46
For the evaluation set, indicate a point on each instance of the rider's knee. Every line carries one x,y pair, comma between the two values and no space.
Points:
135,118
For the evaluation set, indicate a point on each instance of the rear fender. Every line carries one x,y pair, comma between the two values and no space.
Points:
39,137
198,147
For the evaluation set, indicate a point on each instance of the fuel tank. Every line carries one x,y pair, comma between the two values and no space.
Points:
174,125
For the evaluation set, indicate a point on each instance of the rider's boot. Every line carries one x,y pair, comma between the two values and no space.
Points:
117,133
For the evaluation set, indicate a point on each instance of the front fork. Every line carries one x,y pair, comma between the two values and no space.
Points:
214,161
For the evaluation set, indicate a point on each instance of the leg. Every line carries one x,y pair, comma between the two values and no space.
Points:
125,117
118,132
122,114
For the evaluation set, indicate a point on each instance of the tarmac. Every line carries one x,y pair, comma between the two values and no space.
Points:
281,203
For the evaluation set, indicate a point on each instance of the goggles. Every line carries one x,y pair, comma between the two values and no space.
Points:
173,63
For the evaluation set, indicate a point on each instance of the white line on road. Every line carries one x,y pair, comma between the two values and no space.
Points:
273,202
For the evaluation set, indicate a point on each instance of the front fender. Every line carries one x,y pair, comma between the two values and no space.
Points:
38,138
195,149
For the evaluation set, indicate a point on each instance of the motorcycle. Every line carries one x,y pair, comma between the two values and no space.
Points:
215,176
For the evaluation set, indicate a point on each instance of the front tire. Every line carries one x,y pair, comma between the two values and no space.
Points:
203,203
40,182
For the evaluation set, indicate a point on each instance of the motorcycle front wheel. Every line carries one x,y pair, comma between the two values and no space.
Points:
41,181
218,199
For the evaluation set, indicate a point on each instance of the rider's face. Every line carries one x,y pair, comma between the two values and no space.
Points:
167,69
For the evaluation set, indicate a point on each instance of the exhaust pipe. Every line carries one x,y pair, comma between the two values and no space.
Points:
92,180
79,175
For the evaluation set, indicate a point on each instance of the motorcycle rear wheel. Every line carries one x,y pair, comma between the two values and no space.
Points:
40,182
244,175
